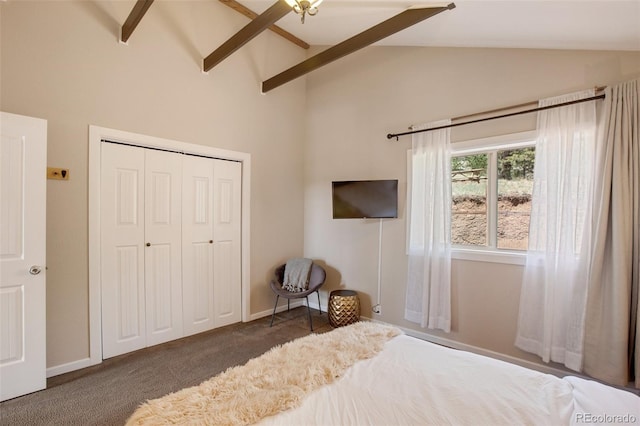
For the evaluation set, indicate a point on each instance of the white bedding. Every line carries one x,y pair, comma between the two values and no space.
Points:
413,382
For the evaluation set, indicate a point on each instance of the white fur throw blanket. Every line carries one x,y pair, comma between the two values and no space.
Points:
266,385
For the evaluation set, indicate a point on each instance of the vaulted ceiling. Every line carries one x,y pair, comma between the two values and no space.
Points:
349,25
539,24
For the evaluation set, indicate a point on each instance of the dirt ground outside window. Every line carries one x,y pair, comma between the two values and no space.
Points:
469,221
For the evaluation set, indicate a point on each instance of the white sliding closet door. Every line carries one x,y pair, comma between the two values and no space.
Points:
122,249
197,244
170,230
227,233
141,248
163,246
211,243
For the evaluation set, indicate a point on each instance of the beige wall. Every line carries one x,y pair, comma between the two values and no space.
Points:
352,104
62,61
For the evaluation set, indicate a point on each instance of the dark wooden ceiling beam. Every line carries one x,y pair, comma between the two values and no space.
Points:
279,9
138,11
376,33
233,4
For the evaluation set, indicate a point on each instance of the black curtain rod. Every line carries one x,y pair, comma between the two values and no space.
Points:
528,111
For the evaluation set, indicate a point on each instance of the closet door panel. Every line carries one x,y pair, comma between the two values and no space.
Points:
163,254
159,288
197,244
122,269
227,234
225,291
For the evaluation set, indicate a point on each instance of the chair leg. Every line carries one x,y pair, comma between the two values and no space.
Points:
274,310
309,311
319,305
288,301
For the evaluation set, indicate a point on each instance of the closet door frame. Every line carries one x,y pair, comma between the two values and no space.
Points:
96,136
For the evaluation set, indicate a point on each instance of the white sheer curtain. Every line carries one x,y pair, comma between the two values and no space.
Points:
612,343
553,297
428,299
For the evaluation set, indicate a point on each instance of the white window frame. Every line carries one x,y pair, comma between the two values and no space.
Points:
491,253
474,146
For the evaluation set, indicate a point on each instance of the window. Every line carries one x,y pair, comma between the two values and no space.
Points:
492,182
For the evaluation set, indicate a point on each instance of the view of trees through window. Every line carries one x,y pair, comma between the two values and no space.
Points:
469,198
511,205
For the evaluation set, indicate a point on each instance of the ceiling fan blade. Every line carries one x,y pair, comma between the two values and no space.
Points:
376,33
134,18
246,34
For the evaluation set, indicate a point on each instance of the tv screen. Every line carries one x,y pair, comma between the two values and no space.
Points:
357,199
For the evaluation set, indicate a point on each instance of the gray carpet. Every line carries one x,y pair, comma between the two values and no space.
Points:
107,394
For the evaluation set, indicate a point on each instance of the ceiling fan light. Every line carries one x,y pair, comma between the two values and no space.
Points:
303,7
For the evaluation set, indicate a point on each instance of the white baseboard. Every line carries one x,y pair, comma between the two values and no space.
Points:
70,366
294,304
481,351
314,305
280,308
558,372
88,362
486,352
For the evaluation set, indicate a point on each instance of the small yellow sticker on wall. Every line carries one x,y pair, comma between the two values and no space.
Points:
56,173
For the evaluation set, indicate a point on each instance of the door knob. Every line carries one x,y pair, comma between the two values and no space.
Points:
35,270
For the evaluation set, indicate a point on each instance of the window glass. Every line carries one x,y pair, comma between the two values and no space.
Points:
469,200
515,184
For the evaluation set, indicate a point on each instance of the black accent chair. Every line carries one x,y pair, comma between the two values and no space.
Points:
317,276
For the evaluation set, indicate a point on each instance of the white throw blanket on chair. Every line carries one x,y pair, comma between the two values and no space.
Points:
296,274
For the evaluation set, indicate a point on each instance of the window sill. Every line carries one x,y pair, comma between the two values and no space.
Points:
488,255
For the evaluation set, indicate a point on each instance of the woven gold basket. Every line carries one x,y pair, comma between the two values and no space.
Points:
344,308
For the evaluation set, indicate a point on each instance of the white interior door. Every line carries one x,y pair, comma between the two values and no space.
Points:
227,242
23,160
163,246
122,249
197,244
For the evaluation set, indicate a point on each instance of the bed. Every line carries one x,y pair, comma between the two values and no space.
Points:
372,374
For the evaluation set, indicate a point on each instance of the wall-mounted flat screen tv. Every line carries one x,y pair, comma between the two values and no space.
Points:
358,199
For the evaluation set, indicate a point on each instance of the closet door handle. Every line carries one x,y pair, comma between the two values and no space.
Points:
210,241
148,244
